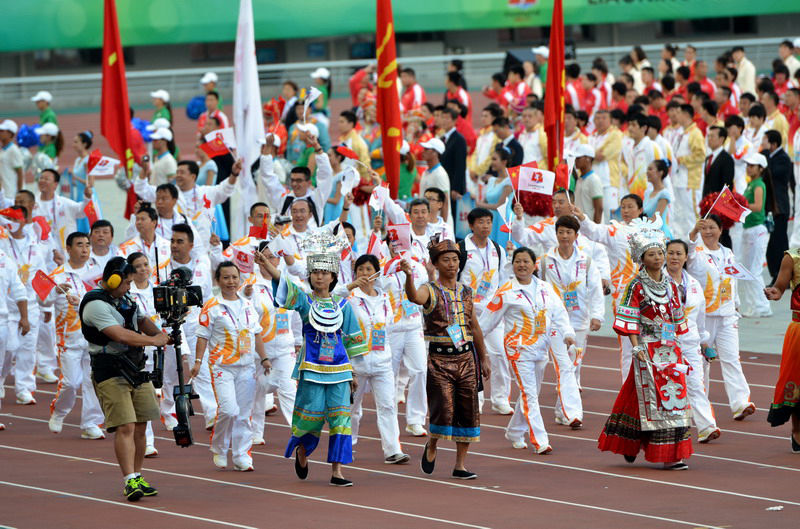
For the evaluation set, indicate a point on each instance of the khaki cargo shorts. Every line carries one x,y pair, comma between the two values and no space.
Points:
124,404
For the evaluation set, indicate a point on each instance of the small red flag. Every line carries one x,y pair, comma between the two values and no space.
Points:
347,152
12,213
214,148
94,157
513,173
44,227
562,176
43,284
259,232
346,253
727,206
91,213
206,202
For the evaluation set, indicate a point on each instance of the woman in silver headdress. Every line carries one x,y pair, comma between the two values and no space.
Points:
652,411
331,338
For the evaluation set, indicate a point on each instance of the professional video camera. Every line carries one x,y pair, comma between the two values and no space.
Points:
172,300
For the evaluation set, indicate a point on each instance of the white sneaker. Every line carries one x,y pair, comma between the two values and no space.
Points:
92,433
25,398
259,441
502,409
47,377
560,420
243,465
221,460
544,450
709,434
519,445
170,422
150,451
416,430
55,424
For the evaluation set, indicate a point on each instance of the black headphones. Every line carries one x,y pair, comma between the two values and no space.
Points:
115,271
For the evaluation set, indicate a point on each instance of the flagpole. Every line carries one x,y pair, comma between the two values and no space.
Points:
715,202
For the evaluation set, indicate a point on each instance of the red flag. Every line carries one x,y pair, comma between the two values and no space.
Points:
259,232
43,284
115,113
562,176
727,206
206,202
388,95
347,152
554,88
91,213
214,148
44,227
392,265
11,213
513,173
94,157
346,253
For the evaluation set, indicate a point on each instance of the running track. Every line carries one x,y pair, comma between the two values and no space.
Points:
66,482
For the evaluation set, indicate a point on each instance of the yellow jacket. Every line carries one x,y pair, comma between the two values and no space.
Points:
777,121
611,147
697,154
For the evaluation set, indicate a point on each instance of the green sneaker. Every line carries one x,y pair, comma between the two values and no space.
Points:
145,487
132,490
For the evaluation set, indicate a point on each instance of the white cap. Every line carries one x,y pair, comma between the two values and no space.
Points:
310,128
404,148
160,123
584,149
51,129
755,158
544,51
9,125
161,134
209,77
42,96
160,94
435,144
321,73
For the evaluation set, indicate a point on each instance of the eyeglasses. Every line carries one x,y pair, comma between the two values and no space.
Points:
431,199
297,180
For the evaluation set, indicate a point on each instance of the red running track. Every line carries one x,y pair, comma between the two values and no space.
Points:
66,482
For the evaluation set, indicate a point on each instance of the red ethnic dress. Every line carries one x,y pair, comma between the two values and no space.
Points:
652,411
786,400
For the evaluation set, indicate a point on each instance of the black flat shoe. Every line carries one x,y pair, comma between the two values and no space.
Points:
795,445
630,459
427,466
340,482
677,466
301,471
464,474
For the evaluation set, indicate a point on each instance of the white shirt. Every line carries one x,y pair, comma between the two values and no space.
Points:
164,168
576,281
10,285
10,161
708,267
60,213
373,314
160,246
230,326
484,271
277,192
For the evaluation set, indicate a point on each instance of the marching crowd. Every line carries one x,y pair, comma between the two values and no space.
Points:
466,279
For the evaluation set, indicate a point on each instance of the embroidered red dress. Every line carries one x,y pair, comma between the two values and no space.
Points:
786,400
652,411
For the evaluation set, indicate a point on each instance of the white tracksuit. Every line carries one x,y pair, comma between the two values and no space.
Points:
144,300
278,338
534,323
231,328
576,281
29,255
15,291
484,272
754,253
73,350
695,310
722,325
407,340
374,369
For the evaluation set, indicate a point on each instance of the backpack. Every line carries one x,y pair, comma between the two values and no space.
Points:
462,255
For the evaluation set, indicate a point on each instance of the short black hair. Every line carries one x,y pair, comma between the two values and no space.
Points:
568,221
517,69
684,72
76,235
688,109
722,131
305,171
501,121
668,82
654,122
191,165
478,213
734,121
710,106
419,202
639,119
350,116
185,229
134,256
102,223
561,190
256,205
636,198
774,137
521,250
56,174
440,195
717,220
774,97
757,111
213,93
367,258
573,70
225,264
169,188
150,212
409,71
453,113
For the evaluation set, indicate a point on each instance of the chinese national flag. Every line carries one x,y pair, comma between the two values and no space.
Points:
727,206
42,284
554,89
44,227
388,96
562,176
91,213
259,232
214,148
513,173
115,114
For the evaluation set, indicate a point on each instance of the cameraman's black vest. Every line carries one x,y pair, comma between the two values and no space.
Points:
127,308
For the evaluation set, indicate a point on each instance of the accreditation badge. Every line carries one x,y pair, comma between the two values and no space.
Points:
282,323
243,342
456,335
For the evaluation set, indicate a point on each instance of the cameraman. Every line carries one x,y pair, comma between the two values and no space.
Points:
117,334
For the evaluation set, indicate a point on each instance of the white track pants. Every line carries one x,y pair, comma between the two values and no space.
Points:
5,352
25,353
75,371
527,416
754,253
500,379
234,387
724,335
382,384
702,411
46,354
280,380
189,341
410,353
568,402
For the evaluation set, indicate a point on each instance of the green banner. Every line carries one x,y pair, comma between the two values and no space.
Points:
47,24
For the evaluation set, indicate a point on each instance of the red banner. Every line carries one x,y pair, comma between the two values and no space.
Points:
554,89
388,96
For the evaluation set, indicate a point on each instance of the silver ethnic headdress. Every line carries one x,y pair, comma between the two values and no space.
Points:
644,237
323,250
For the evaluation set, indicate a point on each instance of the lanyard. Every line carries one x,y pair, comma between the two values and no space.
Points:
577,266
369,314
235,321
529,300
720,271
447,301
485,258
14,250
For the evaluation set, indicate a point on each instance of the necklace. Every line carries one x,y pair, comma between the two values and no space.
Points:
658,291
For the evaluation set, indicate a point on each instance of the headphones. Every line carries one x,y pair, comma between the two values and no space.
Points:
115,271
